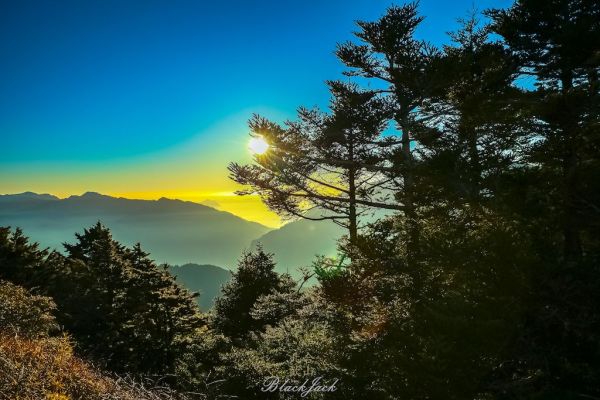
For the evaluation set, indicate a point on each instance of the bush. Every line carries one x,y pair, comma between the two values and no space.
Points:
25,314
46,369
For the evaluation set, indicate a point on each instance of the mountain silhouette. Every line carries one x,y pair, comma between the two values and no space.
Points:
204,279
297,243
173,231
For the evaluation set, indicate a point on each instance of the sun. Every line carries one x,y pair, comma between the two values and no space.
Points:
258,145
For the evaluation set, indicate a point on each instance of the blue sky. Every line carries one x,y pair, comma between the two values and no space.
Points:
95,87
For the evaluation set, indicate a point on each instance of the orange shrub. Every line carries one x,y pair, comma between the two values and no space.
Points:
47,369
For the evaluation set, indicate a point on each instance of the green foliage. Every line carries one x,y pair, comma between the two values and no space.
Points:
259,309
329,268
271,308
295,349
120,307
557,352
438,327
124,307
196,367
255,277
557,43
21,261
297,344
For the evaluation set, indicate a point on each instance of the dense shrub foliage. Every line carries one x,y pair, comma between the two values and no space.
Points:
24,314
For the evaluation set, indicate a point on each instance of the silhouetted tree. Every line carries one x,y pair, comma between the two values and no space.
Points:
128,311
557,43
254,277
21,261
389,54
330,163
475,129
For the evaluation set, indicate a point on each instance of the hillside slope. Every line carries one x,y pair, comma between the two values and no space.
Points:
297,243
204,279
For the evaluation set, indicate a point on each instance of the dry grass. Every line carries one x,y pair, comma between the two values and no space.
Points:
47,369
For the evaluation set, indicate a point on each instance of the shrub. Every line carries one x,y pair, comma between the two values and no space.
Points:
25,314
47,369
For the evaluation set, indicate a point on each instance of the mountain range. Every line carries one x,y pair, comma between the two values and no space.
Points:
173,231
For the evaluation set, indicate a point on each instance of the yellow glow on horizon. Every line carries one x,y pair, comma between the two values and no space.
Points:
222,197
258,145
194,170
250,208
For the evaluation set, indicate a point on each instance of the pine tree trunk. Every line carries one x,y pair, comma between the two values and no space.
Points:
353,224
572,237
408,195
474,189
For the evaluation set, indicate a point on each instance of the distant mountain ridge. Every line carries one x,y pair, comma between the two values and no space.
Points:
27,196
302,241
173,231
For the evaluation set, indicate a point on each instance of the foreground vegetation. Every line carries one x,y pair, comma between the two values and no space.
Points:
34,364
471,265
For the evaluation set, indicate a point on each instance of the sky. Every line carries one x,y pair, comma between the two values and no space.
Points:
149,99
